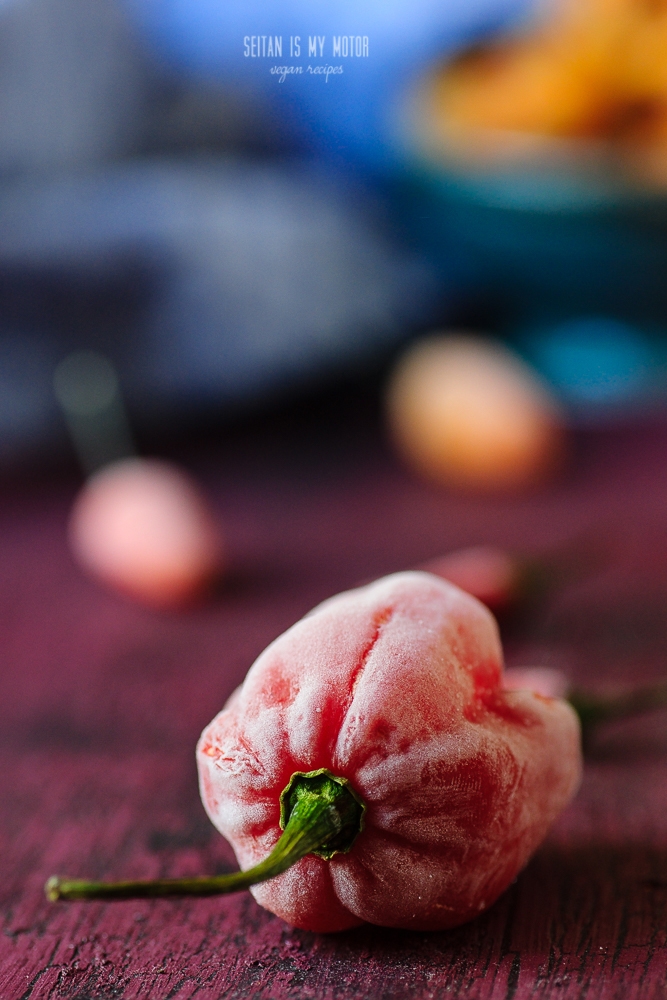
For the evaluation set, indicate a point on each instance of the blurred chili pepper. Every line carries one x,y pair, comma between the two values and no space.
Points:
509,582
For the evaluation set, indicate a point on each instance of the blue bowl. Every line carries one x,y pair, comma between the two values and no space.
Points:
545,244
569,263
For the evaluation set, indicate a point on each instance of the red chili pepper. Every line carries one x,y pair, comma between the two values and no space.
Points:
378,733
494,576
397,689
505,580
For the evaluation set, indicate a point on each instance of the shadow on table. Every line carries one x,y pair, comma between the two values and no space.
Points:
573,915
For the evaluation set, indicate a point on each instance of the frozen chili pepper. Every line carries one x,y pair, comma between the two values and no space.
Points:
493,575
506,580
547,681
592,707
411,786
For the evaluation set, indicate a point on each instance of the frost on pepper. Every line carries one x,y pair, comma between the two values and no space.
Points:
396,687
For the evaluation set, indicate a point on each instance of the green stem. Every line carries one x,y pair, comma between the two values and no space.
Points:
595,708
320,814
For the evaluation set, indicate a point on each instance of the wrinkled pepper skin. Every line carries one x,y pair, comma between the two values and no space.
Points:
396,686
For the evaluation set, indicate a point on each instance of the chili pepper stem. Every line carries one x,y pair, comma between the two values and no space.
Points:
595,708
322,813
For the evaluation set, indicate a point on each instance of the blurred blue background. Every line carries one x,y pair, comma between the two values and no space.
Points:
229,240
354,120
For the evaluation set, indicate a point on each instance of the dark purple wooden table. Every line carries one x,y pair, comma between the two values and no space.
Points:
101,703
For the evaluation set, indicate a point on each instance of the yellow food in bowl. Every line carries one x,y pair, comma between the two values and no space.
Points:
591,70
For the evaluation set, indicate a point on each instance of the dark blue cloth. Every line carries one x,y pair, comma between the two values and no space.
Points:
134,219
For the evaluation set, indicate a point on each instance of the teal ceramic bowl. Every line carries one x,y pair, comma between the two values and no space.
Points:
561,254
546,244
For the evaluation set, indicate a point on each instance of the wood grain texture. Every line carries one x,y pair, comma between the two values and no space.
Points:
101,703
